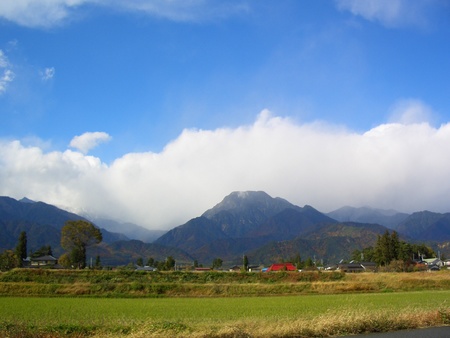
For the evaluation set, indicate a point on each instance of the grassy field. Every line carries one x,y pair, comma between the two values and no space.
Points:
48,304
310,315
91,283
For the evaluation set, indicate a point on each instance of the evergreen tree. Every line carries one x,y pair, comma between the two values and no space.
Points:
170,263
217,263
308,263
394,249
297,261
245,263
45,250
357,255
383,249
405,252
389,248
21,248
98,264
368,254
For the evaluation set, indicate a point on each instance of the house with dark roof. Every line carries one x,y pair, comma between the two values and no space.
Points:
357,267
255,268
42,261
369,266
235,268
350,267
200,269
434,261
145,268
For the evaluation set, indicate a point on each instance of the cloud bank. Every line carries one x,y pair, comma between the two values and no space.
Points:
391,13
394,165
38,13
49,13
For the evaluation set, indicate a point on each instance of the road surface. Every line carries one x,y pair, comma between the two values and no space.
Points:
433,332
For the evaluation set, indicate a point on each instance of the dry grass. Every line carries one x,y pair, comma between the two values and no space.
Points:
220,285
326,325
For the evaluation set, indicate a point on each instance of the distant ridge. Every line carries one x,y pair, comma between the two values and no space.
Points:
426,225
42,222
388,218
251,223
130,230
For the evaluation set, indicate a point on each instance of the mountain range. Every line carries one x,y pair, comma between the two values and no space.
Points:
251,223
43,223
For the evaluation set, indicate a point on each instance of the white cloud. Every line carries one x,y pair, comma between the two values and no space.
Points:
47,74
5,79
391,13
3,60
185,10
48,13
87,141
6,74
411,111
394,165
38,13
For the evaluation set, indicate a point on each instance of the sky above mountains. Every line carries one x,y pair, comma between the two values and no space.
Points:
152,111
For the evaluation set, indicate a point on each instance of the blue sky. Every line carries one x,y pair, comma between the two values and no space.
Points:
206,96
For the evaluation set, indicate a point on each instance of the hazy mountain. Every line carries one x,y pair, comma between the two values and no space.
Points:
31,212
130,230
388,218
426,225
42,223
253,223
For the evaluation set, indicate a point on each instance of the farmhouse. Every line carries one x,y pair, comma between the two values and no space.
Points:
255,268
350,267
200,269
145,268
235,268
433,261
42,261
357,267
282,267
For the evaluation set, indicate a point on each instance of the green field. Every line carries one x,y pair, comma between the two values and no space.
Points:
307,315
89,303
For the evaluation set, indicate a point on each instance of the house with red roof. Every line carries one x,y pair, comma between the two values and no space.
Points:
282,267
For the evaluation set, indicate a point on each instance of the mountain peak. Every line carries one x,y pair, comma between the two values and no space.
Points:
239,200
26,200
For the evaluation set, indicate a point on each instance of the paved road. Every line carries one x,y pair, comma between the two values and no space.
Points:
433,332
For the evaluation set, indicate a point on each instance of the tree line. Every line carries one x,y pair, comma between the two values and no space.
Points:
390,251
76,237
